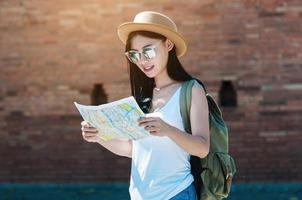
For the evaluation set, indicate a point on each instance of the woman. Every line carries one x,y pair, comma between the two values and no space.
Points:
161,162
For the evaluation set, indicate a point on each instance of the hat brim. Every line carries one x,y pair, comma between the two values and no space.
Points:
125,29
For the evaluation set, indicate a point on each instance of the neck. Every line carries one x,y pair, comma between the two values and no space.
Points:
164,86
162,80
164,83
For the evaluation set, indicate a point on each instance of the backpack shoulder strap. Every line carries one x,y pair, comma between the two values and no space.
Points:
185,103
213,106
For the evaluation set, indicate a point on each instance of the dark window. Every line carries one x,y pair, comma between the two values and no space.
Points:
98,95
227,94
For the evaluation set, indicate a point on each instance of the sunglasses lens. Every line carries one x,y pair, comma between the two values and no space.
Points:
149,53
133,56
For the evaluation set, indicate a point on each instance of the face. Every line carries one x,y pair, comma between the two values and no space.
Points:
150,55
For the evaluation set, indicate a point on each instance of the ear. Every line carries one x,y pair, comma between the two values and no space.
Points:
169,44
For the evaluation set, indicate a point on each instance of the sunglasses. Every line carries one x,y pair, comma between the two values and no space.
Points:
148,52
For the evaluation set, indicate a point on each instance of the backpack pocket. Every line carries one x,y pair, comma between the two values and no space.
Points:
228,167
217,174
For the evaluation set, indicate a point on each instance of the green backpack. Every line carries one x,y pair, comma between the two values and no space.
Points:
212,174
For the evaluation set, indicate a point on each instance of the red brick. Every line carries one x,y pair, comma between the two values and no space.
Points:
52,53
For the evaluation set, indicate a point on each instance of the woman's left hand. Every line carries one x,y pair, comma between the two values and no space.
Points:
155,126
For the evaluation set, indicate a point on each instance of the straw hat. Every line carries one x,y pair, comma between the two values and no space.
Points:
154,22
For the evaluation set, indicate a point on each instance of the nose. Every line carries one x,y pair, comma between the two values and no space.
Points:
143,59
143,56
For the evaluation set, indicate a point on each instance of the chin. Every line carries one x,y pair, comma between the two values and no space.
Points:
150,75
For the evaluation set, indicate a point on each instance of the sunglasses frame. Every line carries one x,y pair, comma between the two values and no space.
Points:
143,53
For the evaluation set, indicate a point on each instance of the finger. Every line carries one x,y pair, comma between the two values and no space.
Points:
154,132
152,123
146,119
89,139
90,134
143,124
86,134
84,123
88,131
151,128
148,123
91,129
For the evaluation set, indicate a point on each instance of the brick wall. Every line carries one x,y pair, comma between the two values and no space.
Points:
53,52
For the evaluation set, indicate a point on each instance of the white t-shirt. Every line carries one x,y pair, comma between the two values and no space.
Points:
160,168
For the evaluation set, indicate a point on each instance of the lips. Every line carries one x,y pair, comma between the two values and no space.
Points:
148,68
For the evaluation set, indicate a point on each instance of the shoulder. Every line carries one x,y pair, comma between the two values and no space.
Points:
198,89
198,95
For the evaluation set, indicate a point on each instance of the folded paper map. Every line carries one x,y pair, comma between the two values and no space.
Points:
117,119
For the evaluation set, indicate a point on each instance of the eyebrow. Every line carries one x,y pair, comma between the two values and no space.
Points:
148,45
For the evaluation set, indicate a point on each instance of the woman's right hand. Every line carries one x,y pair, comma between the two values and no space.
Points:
89,132
116,146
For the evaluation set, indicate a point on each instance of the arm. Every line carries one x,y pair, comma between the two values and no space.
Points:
196,144
117,146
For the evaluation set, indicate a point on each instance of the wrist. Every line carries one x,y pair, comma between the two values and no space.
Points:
171,132
99,140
